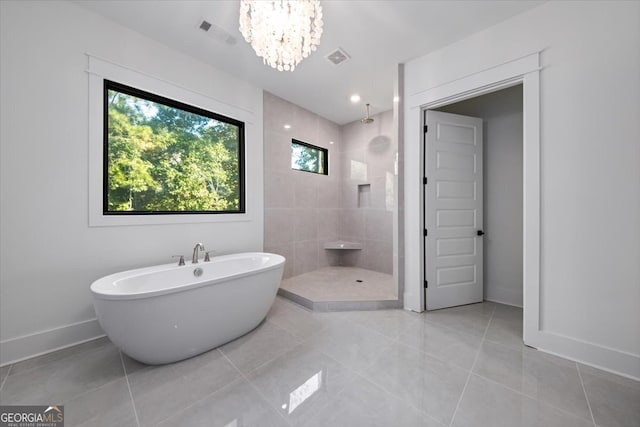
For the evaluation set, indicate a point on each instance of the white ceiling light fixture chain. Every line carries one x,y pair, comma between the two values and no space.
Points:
282,32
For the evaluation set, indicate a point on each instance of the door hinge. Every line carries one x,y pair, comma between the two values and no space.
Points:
426,284
426,128
425,180
425,231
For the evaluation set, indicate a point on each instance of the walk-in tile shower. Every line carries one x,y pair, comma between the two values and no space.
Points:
335,226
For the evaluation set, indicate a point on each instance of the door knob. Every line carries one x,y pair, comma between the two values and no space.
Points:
480,232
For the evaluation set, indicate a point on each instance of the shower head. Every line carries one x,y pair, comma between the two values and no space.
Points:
367,119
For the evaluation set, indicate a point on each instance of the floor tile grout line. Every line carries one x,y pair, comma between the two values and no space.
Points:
72,351
207,395
333,358
522,348
368,328
415,347
586,396
195,402
502,344
255,388
91,390
505,386
528,396
361,375
282,328
392,394
75,396
298,342
431,322
520,392
473,365
126,377
358,374
291,332
395,395
433,356
4,380
83,392
396,339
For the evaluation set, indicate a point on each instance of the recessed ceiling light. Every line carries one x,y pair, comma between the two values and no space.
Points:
287,127
331,142
355,98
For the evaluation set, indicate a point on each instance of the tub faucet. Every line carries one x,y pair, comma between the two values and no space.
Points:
194,259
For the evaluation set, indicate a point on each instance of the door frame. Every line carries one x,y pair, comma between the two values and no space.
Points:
525,71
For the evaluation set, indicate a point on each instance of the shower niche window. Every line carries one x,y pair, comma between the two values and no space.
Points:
309,158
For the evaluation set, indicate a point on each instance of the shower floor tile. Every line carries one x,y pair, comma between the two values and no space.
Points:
342,284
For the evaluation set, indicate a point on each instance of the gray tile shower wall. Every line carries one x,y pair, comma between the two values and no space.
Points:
355,201
366,157
302,210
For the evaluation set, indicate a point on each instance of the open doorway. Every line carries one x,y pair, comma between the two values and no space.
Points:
501,114
498,245
525,71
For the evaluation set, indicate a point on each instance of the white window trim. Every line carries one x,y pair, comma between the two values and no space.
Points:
99,70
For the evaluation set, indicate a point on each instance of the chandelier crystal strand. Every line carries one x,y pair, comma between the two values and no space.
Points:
281,32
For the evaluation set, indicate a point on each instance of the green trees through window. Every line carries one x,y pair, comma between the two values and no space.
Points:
162,156
309,158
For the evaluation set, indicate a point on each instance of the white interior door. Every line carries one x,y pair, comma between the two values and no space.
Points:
453,210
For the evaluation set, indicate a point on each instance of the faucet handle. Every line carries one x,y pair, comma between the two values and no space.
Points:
206,255
181,261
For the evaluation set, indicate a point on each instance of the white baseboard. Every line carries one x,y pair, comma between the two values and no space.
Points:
503,302
25,347
601,357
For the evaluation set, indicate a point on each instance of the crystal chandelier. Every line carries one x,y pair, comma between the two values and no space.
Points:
282,32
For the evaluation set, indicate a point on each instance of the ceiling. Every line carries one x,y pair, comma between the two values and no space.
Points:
377,34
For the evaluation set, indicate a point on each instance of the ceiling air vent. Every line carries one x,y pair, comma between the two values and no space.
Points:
216,32
338,57
205,26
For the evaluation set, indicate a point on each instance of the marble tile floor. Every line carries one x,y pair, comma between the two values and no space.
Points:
464,366
342,284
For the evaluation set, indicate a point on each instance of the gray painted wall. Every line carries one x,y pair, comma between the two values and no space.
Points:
49,253
501,114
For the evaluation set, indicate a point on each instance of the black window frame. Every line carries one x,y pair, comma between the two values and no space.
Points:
325,162
128,90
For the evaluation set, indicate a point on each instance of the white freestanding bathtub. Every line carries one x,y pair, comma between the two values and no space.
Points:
167,313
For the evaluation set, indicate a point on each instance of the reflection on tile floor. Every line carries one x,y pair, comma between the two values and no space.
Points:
342,284
464,366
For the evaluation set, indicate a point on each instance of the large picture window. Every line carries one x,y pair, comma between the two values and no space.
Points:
162,156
